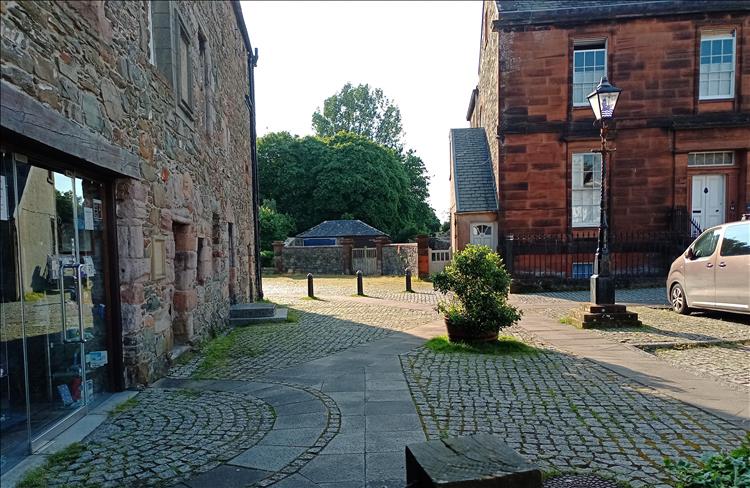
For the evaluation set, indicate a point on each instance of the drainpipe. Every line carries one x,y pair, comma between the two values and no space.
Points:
252,62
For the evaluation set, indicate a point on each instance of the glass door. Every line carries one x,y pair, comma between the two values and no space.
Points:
54,304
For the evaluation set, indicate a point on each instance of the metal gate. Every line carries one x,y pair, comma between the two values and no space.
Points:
365,260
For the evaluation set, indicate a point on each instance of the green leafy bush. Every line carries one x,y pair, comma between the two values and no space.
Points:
721,470
266,259
479,284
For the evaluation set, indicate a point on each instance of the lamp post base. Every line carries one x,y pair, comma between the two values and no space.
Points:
592,316
602,290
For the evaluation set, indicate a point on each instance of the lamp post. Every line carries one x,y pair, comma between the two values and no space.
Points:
603,101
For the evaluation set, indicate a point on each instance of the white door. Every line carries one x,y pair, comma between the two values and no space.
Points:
708,200
483,235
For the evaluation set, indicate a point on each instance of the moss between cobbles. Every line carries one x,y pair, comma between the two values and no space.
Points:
39,477
503,346
217,352
128,404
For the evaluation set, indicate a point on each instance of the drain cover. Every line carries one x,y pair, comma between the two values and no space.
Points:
575,481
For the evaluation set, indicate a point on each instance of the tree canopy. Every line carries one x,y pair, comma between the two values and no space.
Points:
362,110
346,175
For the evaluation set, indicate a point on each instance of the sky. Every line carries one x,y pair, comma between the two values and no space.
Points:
423,55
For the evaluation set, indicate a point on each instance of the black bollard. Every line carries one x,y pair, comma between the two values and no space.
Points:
360,291
310,291
408,280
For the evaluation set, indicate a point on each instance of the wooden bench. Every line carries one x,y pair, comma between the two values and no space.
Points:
476,461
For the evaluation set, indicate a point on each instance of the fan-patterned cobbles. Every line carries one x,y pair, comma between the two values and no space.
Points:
166,437
569,414
324,328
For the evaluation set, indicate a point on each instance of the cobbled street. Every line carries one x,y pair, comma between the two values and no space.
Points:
330,398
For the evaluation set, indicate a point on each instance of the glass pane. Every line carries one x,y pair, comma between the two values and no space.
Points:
13,426
736,241
93,244
590,58
728,46
705,48
600,57
578,59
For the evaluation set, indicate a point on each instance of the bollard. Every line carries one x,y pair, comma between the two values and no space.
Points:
360,292
408,280
310,290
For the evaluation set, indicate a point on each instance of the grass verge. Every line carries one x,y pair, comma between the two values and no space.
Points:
504,345
41,476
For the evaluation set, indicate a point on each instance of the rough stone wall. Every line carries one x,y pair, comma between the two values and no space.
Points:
398,257
656,63
313,259
90,62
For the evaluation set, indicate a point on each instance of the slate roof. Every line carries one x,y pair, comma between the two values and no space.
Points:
342,228
473,180
579,11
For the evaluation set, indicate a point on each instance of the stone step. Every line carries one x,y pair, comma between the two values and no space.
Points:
279,315
252,310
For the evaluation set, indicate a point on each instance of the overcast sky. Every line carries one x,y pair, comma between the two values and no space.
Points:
423,55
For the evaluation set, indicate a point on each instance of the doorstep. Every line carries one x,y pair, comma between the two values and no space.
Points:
75,433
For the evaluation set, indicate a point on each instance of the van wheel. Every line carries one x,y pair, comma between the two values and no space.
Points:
678,299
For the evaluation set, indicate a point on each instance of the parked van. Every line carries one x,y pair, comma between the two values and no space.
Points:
714,272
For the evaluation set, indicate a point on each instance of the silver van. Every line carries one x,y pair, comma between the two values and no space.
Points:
714,272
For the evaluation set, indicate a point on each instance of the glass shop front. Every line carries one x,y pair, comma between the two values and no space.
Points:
55,290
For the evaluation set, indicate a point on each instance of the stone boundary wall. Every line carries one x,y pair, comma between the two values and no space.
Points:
398,257
313,259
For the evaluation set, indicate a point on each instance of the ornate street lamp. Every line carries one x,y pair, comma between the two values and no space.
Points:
603,101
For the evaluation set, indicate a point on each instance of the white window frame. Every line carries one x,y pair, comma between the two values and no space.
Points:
594,191
714,155
581,47
732,73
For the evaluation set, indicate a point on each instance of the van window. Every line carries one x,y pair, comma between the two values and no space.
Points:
706,244
736,240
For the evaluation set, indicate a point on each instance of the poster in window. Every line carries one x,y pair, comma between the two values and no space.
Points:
97,207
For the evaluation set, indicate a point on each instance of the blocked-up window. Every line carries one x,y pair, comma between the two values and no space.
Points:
717,66
589,65
586,189
160,42
185,69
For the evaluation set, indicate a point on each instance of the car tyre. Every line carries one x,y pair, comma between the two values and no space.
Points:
678,299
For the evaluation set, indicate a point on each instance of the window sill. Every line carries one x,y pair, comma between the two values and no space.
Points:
728,98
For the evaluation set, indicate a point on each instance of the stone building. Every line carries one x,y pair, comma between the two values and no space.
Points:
682,123
128,197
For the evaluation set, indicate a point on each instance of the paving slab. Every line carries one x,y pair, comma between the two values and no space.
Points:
267,458
291,437
392,441
392,423
381,466
227,477
328,468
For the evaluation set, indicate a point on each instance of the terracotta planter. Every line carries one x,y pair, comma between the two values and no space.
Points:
463,334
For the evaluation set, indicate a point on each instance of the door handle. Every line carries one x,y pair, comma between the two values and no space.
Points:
722,264
79,297
709,265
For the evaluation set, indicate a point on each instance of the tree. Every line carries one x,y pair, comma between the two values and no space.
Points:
274,226
363,110
347,175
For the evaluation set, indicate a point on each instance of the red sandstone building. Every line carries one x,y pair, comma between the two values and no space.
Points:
682,122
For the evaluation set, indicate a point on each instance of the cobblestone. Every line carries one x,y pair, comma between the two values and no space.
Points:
324,328
567,413
167,437
385,287
729,362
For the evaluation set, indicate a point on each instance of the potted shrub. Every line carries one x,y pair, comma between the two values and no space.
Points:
477,286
